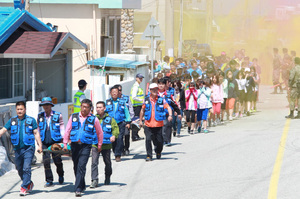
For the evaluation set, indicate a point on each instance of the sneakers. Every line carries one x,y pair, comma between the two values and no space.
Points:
178,135
205,131
107,181
199,129
248,113
61,179
148,159
78,194
158,155
23,192
30,187
192,132
214,123
94,184
236,115
230,118
48,184
222,122
241,115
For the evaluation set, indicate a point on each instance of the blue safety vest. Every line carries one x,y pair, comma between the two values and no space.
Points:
118,114
54,126
168,97
160,113
84,132
171,91
27,128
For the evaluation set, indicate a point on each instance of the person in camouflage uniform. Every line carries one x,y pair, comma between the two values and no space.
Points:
276,71
294,88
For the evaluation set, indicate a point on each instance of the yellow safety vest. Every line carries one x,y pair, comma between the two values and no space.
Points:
77,102
140,95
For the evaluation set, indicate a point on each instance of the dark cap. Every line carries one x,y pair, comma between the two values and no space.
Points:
139,75
82,83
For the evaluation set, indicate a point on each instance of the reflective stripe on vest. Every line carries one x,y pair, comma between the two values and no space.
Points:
54,126
160,114
27,129
140,95
85,132
77,102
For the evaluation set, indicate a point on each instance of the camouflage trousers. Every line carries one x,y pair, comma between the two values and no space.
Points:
294,98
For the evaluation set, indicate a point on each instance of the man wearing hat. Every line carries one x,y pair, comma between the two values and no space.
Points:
154,111
137,99
51,129
79,96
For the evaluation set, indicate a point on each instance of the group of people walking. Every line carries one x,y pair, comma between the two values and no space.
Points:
200,94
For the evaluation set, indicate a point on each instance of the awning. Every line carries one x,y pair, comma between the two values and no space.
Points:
118,63
38,45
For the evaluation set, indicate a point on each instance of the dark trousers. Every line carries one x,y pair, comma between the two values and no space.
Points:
95,162
167,131
155,135
57,161
137,110
23,158
118,145
80,157
126,139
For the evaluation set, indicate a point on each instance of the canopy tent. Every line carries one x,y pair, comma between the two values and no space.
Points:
118,63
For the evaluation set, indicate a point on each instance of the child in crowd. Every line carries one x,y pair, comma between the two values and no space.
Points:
217,99
204,94
241,81
256,79
250,86
224,84
232,93
191,95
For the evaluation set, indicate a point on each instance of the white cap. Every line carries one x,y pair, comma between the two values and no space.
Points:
153,85
247,69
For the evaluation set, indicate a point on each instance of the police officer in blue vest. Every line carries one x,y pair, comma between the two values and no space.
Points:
51,128
131,112
110,133
117,109
81,130
23,134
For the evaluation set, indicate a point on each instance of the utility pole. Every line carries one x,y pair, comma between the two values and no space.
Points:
180,30
209,20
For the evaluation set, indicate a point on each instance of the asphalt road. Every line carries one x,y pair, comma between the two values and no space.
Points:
232,161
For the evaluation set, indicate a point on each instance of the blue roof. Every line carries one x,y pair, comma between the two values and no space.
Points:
120,63
11,19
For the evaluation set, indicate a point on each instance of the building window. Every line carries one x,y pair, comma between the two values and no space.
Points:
11,78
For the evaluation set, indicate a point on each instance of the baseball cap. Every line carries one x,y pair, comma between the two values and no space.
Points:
82,82
247,69
139,75
46,101
153,85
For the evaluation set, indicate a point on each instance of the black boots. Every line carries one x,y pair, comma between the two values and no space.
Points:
291,115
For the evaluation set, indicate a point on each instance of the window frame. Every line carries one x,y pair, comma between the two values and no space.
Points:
15,98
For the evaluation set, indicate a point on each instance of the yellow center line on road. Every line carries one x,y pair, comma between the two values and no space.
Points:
276,170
